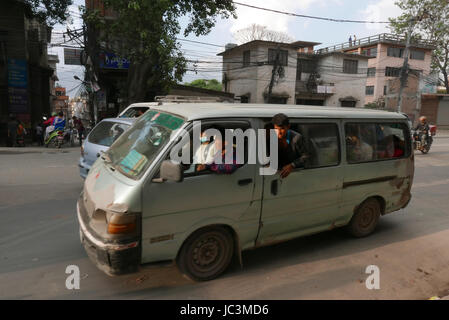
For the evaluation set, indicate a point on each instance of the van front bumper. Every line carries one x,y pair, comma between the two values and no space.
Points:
113,258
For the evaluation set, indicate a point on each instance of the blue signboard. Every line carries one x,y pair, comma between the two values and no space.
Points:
17,73
18,100
112,61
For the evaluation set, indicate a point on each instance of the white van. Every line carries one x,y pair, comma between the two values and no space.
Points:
138,206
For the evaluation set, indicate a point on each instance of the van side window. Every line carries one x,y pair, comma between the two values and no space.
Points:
207,151
372,142
322,141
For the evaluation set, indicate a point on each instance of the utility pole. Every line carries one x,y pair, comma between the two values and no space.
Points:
405,68
273,74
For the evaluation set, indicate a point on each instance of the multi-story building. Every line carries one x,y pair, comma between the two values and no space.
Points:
386,52
60,103
298,76
24,70
53,59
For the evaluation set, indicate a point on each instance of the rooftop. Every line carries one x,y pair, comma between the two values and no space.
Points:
379,38
293,45
216,110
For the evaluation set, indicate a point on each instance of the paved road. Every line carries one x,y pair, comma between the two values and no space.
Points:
39,239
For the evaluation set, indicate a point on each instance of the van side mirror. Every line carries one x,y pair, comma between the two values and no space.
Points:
170,171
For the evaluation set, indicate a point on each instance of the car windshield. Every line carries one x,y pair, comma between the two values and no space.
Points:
134,112
106,132
137,148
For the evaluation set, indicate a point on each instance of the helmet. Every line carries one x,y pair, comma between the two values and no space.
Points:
423,118
53,114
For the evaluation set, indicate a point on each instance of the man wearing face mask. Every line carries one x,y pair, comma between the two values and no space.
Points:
205,153
292,152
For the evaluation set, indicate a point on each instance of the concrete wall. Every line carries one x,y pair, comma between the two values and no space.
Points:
383,60
346,85
255,79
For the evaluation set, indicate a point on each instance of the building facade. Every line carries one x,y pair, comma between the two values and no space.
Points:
386,52
297,76
24,71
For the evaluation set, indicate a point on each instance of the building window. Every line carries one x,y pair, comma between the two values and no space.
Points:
417,55
304,66
369,90
392,72
371,52
246,58
350,66
283,57
385,90
395,52
371,72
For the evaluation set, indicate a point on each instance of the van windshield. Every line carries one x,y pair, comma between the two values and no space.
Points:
137,148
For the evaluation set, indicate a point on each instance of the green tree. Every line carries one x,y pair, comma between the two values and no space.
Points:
147,32
50,11
206,84
432,24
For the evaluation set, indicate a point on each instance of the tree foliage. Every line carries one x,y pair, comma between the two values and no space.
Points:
50,11
206,84
431,19
259,32
146,31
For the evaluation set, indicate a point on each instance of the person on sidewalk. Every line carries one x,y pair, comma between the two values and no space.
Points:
12,131
39,134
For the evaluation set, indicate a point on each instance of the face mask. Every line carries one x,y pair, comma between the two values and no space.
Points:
204,139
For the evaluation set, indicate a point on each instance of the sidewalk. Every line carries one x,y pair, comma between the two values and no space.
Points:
35,149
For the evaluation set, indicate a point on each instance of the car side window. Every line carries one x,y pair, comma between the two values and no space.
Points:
213,146
322,143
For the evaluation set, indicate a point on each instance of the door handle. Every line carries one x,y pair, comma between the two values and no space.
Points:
244,182
274,187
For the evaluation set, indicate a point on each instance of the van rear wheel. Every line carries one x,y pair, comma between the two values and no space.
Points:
206,254
365,219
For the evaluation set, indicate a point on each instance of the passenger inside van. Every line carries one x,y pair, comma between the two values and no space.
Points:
358,150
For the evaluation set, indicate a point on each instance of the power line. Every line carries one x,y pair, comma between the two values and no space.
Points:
306,16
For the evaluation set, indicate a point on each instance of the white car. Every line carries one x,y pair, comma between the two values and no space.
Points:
100,139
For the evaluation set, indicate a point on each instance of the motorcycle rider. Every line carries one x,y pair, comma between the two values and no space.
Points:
423,130
58,123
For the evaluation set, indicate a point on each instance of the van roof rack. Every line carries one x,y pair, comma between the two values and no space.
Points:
191,99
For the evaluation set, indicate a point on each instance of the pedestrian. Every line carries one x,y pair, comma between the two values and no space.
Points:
355,38
39,134
12,131
350,41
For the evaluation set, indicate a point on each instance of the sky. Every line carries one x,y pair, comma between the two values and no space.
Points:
304,29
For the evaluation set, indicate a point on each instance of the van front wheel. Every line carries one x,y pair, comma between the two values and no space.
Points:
206,254
365,219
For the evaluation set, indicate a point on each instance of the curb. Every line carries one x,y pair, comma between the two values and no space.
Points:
35,150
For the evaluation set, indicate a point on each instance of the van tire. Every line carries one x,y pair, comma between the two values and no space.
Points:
206,254
365,218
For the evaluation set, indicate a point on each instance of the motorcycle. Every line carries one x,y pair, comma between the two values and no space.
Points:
57,138
423,141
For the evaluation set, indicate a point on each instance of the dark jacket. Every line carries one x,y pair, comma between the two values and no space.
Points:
297,153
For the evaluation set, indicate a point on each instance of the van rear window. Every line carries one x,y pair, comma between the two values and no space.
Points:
367,142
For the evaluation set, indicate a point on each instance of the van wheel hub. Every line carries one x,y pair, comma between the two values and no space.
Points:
206,252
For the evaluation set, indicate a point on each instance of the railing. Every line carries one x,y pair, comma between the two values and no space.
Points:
372,40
